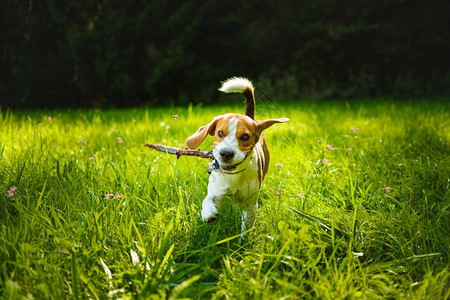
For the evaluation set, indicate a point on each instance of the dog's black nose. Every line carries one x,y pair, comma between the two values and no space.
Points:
226,155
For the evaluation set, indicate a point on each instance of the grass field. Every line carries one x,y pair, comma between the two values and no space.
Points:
86,211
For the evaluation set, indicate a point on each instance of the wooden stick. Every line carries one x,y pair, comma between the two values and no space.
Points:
178,151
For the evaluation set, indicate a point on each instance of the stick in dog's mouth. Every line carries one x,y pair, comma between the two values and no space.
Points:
229,167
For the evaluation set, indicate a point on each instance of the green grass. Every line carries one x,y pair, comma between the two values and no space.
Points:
324,231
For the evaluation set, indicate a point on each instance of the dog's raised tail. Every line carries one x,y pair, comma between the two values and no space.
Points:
244,86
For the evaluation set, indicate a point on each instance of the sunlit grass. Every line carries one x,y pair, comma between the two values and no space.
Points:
364,213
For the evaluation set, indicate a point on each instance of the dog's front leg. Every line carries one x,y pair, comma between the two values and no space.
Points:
210,208
248,220
214,199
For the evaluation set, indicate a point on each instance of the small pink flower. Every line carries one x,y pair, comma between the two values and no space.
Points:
107,196
91,157
355,129
119,196
435,165
387,189
119,140
277,192
330,147
325,161
164,141
349,149
428,138
11,191
167,128
301,195
175,116
49,118
62,250
279,165
319,142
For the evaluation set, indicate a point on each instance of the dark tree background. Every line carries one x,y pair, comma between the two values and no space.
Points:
103,53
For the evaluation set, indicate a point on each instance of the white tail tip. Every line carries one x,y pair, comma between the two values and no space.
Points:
236,85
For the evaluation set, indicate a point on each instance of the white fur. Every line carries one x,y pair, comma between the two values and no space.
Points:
236,85
242,187
230,142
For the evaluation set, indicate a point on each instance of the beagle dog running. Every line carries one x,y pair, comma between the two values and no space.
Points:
241,156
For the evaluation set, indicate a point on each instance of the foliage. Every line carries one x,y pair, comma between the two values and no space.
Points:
95,214
104,53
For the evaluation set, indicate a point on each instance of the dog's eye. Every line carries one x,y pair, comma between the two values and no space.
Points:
220,134
244,137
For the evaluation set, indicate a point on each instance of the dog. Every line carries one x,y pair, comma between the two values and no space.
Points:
241,156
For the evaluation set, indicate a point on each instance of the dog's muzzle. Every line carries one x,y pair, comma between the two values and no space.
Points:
225,167
226,155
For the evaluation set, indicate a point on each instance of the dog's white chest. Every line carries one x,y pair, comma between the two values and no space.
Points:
241,186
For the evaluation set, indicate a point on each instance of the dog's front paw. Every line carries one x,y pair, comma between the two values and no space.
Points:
209,212
212,218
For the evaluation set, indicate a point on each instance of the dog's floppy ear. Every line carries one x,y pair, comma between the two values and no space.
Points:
197,138
263,125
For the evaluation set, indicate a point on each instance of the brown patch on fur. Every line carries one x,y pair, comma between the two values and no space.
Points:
246,126
222,125
249,103
197,138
